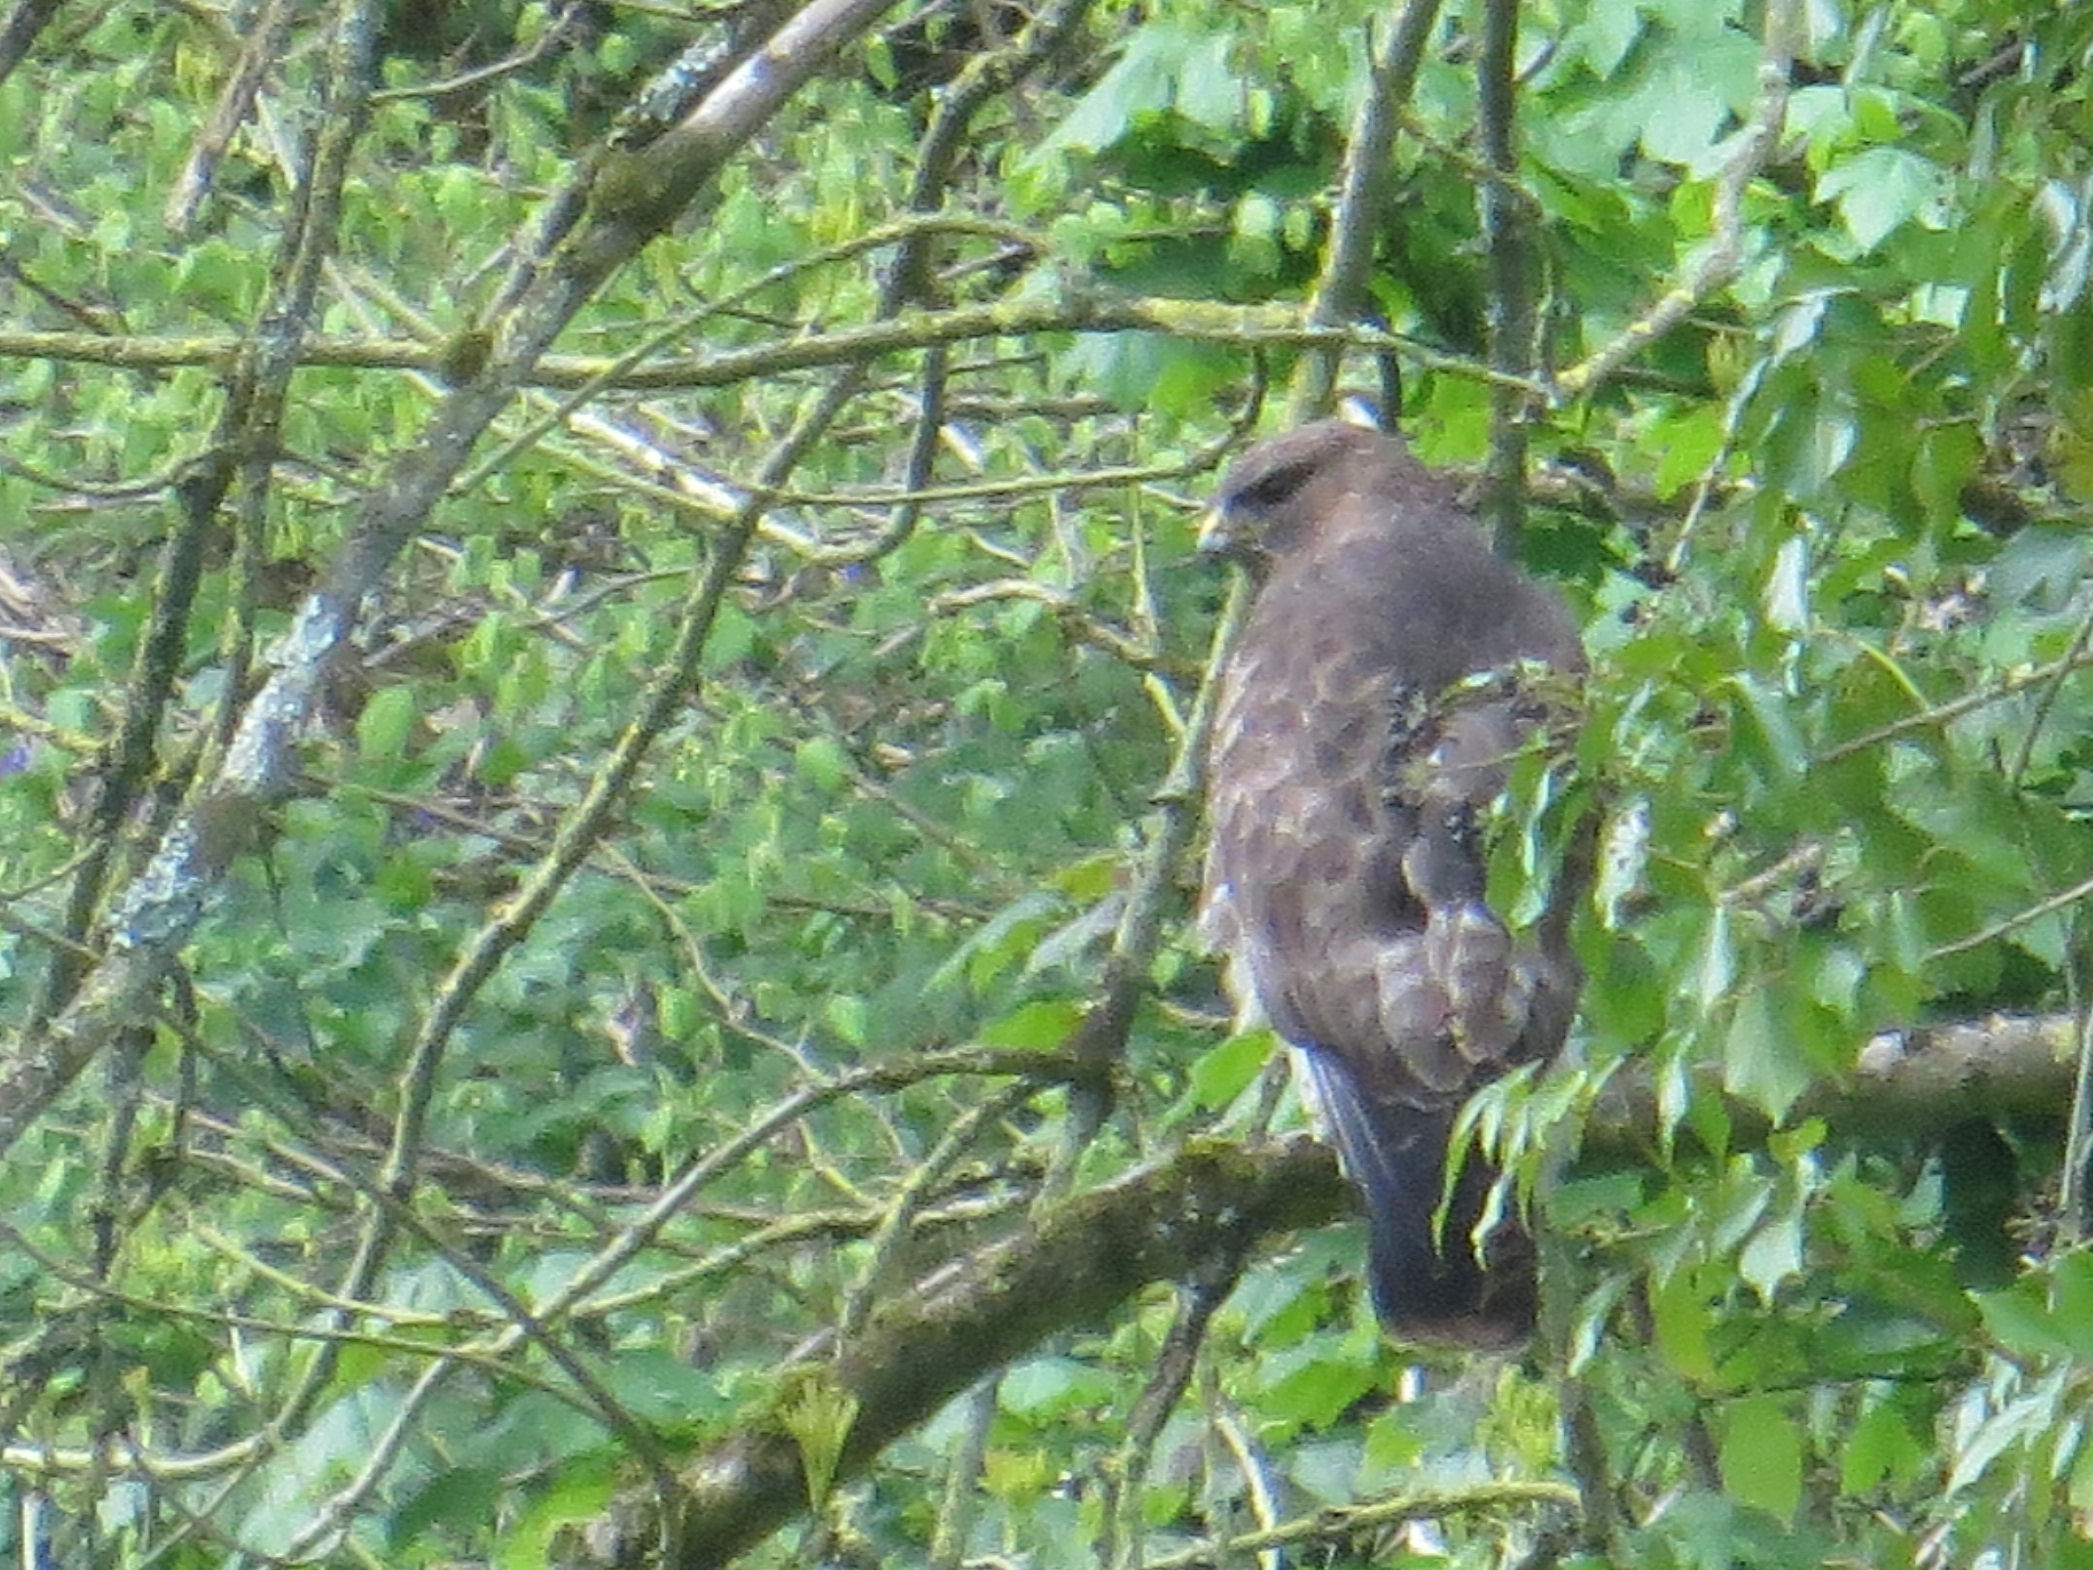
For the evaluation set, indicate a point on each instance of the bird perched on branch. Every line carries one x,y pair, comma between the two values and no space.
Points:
1354,752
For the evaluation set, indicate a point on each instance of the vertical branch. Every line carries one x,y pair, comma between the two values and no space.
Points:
235,103
241,448
1508,238
1124,1523
908,280
1341,293
962,1496
2078,1138
1166,838
261,384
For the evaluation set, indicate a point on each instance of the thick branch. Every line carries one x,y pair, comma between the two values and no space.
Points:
1082,1259
1072,1267
2006,1066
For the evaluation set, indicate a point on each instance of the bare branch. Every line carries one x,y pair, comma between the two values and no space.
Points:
1340,294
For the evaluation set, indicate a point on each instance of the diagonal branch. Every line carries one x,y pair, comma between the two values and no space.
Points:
155,915
1072,1266
1723,254
1193,1213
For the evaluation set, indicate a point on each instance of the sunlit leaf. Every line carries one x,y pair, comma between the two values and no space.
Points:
1762,1455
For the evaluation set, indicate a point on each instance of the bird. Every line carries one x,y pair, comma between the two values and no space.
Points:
1383,679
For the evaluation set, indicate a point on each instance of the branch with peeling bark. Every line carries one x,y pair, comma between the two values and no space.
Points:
153,918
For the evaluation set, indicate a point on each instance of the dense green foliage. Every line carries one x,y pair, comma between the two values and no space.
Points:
559,1047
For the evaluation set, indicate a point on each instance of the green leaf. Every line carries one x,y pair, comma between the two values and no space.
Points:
1608,31
1223,1072
667,1392
386,722
454,1502
1316,1381
1763,1061
1044,1387
1038,1026
2019,1319
1717,967
1880,189
1138,83
577,1493
1761,1455
822,762
1679,1314
849,1016
2073,1277
879,61
1787,598
1881,1449
1773,1255
1766,726
1208,87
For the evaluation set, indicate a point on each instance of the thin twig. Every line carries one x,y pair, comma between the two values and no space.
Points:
1339,1523
1954,708
2080,641
1722,255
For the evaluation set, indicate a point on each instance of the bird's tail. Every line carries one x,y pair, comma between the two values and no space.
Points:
1428,1286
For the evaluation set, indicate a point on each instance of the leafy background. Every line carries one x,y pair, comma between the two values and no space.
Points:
680,1042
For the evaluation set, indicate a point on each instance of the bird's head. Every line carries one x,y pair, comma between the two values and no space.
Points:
1282,489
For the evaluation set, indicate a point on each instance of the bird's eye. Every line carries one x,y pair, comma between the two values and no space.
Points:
1268,491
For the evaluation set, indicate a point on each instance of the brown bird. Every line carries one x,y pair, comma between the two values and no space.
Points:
1352,757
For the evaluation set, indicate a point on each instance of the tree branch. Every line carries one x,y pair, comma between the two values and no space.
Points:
1508,236
1072,1266
1723,254
2005,1066
1341,292
1079,1260
1198,321
155,915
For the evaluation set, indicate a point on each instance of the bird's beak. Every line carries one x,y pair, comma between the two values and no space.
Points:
1218,536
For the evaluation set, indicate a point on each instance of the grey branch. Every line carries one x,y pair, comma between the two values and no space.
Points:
153,918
